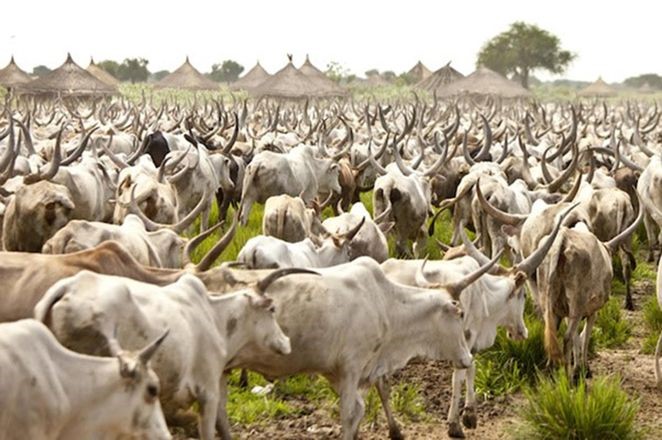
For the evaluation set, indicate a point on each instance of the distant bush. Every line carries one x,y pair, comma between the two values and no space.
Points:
557,410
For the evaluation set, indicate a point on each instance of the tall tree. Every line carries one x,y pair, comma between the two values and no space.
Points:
110,66
40,70
522,49
134,70
227,71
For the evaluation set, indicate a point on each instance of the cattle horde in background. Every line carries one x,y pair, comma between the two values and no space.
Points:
104,189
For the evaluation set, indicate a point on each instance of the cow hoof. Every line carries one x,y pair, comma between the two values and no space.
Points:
588,374
455,430
395,434
469,419
629,304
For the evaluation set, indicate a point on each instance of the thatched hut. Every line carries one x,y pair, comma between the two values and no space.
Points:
101,74
287,83
186,77
253,78
325,86
598,89
484,82
68,80
419,72
12,75
440,79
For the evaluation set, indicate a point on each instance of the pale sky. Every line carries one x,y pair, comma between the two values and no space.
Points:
611,41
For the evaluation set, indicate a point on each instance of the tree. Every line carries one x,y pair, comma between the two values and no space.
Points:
371,72
522,49
228,71
134,70
110,66
389,75
653,80
158,76
336,71
40,70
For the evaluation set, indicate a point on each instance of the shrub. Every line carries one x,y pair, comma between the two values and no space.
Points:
653,322
557,410
611,330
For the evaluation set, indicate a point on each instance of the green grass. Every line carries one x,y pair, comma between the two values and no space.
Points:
653,324
247,408
556,409
611,330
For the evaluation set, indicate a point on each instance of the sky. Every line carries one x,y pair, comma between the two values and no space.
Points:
614,42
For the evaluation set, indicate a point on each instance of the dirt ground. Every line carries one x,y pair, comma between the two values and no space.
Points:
496,416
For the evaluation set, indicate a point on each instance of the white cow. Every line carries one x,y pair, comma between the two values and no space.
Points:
287,218
49,393
208,333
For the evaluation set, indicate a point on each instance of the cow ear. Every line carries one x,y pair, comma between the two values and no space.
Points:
510,230
519,279
453,307
259,301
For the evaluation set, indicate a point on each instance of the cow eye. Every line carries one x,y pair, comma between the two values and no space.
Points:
272,309
152,391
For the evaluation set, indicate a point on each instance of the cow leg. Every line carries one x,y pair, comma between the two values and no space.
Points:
384,390
658,353
571,346
650,226
585,339
243,378
351,407
245,211
222,421
204,219
208,412
627,260
454,427
469,418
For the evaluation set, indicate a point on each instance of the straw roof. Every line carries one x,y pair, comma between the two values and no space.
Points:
288,83
68,80
599,89
484,82
419,72
12,75
253,78
187,77
440,79
101,74
325,85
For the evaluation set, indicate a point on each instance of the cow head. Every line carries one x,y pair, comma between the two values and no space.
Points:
265,331
135,403
336,249
329,178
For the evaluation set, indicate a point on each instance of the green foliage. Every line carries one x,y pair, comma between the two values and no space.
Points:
522,49
227,71
407,401
336,71
110,66
653,80
157,76
133,70
653,323
611,330
557,410
509,364
247,408
40,70
371,72
3,93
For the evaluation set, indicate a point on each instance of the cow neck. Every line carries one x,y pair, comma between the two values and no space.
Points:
229,316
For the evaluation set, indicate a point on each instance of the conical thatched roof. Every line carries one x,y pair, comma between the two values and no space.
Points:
101,74
287,83
187,77
253,78
12,75
325,86
484,82
440,79
599,89
419,72
68,80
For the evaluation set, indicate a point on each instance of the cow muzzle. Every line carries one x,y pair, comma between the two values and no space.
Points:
282,346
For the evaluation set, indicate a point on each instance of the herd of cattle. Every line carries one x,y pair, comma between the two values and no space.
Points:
110,330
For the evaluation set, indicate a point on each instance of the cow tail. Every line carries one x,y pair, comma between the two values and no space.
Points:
280,222
551,286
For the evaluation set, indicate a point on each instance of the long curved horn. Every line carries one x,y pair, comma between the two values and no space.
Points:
503,217
178,227
381,217
146,353
531,263
219,247
262,285
235,133
448,204
465,151
53,166
113,158
456,288
487,139
380,169
349,235
555,185
473,251
404,169
193,243
79,149
615,242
